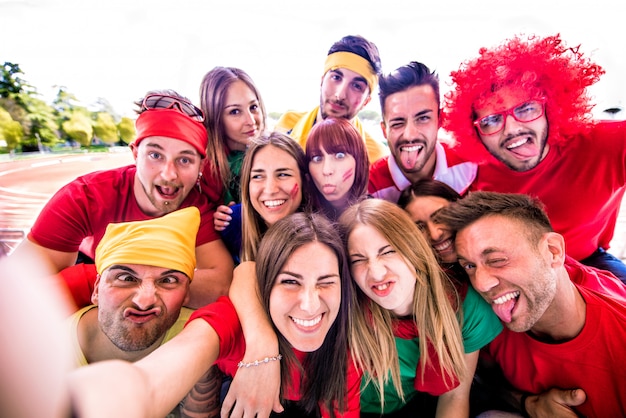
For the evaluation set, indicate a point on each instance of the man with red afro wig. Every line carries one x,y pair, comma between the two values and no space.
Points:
523,111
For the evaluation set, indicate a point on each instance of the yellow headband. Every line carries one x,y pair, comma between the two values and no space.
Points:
168,242
352,62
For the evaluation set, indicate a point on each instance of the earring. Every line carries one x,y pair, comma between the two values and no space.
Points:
198,182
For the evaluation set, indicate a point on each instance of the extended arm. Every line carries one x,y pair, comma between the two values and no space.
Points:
58,260
150,387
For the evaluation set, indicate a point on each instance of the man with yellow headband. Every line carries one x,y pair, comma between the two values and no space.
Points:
169,152
350,76
144,272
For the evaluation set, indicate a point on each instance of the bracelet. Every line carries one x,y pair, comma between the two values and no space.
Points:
259,362
522,405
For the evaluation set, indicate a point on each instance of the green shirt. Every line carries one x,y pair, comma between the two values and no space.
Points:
480,327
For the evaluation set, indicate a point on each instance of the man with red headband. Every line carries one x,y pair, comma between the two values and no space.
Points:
523,111
169,153
350,76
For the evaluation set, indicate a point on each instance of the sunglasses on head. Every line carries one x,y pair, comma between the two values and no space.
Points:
164,101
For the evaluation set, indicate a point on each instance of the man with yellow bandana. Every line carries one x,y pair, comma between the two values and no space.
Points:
350,76
144,271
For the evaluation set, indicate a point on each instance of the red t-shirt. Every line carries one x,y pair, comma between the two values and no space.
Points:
222,317
76,217
594,361
581,185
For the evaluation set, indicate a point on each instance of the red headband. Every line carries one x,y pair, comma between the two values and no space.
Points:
172,124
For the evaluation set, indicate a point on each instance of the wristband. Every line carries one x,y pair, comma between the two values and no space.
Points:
259,362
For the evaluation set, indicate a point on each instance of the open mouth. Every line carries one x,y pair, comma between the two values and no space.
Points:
443,245
272,204
409,154
382,289
523,146
307,324
504,305
168,192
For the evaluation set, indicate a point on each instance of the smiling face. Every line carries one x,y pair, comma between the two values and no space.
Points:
137,304
520,145
513,275
242,116
380,272
344,93
167,170
275,184
333,176
306,296
421,210
411,124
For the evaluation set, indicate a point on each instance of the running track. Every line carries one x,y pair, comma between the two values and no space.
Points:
26,185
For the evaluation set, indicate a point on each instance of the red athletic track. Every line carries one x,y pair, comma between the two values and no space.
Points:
27,184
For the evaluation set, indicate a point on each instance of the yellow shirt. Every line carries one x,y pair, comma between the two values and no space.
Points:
79,356
298,125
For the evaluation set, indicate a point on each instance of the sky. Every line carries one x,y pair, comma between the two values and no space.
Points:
120,49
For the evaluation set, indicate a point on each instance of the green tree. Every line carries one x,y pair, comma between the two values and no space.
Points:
126,129
370,115
10,130
42,121
10,82
105,129
274,115
78,127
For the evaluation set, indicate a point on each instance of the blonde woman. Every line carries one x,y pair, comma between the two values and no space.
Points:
402,293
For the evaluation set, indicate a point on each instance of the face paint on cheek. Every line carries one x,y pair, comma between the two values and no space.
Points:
346,176
294,191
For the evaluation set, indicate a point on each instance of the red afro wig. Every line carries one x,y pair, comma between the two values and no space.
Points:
544,67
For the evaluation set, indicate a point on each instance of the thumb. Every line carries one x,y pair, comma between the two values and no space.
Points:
572,397
278,408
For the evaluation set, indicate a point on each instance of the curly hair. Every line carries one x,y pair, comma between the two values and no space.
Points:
544,67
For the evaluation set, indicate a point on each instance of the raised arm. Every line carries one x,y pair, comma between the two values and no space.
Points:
213,276
455,403
254,391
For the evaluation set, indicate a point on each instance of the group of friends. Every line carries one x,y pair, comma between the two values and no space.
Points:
312,270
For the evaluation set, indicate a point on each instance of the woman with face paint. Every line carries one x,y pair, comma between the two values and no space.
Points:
273,185
421,335
338,166
303,279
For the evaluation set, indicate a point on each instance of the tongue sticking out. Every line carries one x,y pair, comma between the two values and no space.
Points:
409,155
524,148
503,310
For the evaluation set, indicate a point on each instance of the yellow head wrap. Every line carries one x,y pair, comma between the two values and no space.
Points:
352,62
168,242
